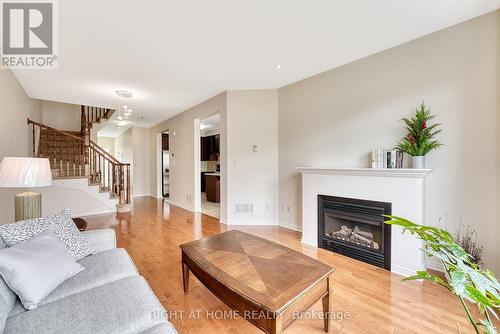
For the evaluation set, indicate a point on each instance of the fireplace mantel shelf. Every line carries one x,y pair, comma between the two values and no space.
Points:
385,172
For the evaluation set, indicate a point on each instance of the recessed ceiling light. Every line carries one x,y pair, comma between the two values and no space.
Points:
119,118
124,93
278,66
125,107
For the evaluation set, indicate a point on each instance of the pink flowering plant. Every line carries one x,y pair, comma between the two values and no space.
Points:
420,138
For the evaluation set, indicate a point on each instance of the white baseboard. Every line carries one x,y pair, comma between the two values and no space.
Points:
181,205
141,195
86,214
402,271
291,226
309,242
434,265
251,222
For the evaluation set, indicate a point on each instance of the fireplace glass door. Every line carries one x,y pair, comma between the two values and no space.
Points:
353,230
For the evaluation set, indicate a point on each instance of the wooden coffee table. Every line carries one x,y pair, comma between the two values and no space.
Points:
266,283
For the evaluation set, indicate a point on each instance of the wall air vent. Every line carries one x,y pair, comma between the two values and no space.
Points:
243,208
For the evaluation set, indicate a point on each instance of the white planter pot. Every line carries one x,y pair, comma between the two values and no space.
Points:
418,162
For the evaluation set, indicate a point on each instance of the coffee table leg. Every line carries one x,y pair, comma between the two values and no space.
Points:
276,325
327,306
185,277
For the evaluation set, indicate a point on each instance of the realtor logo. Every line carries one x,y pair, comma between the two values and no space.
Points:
28,34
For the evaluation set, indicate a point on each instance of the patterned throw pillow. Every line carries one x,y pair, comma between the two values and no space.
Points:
61,224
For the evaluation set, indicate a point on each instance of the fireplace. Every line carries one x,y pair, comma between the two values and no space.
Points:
355,228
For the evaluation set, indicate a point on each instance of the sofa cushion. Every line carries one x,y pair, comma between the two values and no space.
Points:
36,267
7,299
123,306
163,328
61,224
101,268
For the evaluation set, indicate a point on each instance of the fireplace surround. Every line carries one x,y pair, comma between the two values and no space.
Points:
355,228
403,188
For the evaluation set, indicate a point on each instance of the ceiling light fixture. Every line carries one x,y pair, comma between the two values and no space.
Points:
124,93
125,112
278,66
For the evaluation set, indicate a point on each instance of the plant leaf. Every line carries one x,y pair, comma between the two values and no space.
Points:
477,296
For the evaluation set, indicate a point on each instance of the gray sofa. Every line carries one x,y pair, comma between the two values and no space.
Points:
108,296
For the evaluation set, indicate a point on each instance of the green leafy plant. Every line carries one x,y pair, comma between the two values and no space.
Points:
463,277
420,138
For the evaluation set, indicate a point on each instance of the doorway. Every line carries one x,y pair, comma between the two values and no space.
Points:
209,160
165,165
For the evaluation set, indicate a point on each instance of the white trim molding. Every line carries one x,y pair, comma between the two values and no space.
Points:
180,205
383,172
291,226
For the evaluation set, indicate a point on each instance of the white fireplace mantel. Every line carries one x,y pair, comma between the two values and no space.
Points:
385,172
403,188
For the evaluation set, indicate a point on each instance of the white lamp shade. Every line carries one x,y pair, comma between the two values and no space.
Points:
25,172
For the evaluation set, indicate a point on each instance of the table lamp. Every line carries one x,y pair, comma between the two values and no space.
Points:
26,173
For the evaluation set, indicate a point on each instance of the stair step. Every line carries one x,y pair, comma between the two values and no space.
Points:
69,177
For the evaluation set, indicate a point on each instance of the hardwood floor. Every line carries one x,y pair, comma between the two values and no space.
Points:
366,299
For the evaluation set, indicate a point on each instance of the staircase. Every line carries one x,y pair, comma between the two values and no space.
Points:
73,155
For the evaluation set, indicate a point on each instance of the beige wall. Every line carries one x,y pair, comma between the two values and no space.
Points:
497,152
337,117
132,146
141,161
247,118
124,147
252,120
62,116
182,154
15,135
107,143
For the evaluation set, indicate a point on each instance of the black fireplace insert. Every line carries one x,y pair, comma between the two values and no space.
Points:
355,228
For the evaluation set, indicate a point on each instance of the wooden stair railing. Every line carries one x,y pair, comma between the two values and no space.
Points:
91,115
71,155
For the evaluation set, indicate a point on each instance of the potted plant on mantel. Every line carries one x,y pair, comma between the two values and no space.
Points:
420,138
464,278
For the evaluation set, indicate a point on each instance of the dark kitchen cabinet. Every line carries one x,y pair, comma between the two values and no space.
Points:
209,148
164,141
203,182
217,144
205,149
213,188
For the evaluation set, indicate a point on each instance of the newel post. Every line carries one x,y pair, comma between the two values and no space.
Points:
86,134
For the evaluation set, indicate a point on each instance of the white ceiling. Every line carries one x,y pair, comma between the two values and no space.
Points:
175,54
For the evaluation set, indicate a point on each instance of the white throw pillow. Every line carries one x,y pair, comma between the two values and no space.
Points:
61,224
36,267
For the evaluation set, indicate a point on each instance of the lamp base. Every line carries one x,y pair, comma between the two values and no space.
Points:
28,205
